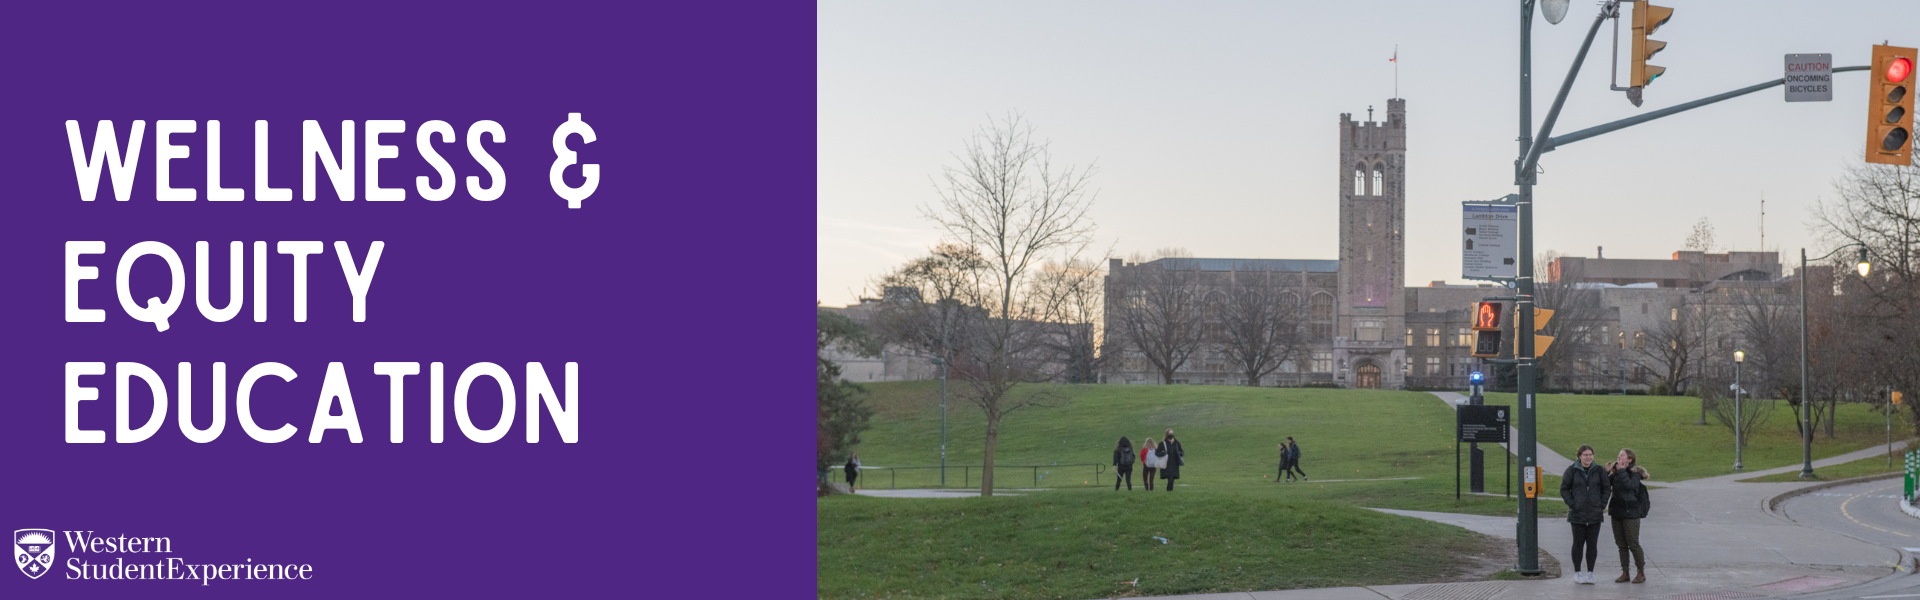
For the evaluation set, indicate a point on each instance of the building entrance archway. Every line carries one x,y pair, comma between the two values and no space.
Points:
1367,376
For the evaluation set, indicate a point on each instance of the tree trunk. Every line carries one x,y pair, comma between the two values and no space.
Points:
1703,411
1166,376
993,438
1833,409
1253,378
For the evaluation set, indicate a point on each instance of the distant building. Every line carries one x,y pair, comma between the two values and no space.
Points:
1368,331
893,364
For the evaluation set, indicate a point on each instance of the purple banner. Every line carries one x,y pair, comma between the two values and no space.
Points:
524,340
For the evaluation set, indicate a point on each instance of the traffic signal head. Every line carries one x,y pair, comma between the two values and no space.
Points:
1896,396
1890,106
1647,18
1487,315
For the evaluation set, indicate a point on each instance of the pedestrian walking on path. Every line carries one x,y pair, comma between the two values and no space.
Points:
1175,458
1584,487
852,469
1293,458
1123,464
1150,461
1627,507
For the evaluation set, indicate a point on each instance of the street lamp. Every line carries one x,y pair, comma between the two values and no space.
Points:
942,363
1739,357
1806,410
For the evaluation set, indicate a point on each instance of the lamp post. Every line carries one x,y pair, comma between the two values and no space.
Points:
1739,358
1806,410
942,363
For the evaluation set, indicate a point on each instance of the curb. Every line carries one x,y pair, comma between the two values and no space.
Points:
1773,504
1910,509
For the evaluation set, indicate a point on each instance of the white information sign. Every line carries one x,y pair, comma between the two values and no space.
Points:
1809,77
1492,241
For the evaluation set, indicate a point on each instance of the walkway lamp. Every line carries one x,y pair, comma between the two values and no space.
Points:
1806,410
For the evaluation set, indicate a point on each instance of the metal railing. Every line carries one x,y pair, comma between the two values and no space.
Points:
1037,472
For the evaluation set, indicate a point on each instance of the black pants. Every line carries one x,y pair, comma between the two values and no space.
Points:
1125,472
1586,536
1295,467
1286,472
852,475
1169,480
1147,474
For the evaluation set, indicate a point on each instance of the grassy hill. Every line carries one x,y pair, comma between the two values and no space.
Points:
1231,437
1229,526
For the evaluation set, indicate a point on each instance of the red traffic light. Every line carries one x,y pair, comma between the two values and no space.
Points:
1486,315
1899,69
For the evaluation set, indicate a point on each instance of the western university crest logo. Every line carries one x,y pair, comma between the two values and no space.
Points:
33,551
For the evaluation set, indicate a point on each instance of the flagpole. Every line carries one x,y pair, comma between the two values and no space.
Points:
1396,70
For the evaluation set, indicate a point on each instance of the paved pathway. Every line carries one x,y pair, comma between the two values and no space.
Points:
1880,450
1552,461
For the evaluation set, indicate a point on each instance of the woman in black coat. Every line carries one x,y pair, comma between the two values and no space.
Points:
1123,464
1627,507
852,468
1584,487
1170,448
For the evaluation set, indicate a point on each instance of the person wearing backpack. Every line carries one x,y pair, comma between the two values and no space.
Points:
1584,487
1627,507
1123,464
1293,458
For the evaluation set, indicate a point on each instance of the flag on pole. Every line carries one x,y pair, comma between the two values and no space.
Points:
1396,56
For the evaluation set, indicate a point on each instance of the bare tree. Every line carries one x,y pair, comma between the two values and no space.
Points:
1158,307
1877,206
1008,202
1674,346
1261,326
1701,239
1077,332
1577,326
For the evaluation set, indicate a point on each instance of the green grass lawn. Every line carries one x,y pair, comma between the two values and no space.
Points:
1232,527
1859,468
1084,543
1231,436
1662,430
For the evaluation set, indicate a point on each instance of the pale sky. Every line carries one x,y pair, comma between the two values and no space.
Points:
1214,125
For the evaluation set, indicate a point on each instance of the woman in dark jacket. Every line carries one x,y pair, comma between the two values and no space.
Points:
1584,487
1123,464
852,468
1170,448
1628,506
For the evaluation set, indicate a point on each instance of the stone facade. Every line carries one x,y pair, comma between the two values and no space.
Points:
1373,214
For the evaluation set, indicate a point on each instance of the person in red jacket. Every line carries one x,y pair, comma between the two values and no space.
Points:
1147,461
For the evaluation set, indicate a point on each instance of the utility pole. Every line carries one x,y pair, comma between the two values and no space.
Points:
943,419
1528,534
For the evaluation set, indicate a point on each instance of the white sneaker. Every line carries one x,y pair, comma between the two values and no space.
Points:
1576,577
1589,578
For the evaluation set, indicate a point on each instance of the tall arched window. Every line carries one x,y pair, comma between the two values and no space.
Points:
1379,181
1359,182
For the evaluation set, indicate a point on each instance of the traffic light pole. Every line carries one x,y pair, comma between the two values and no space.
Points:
1527,524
